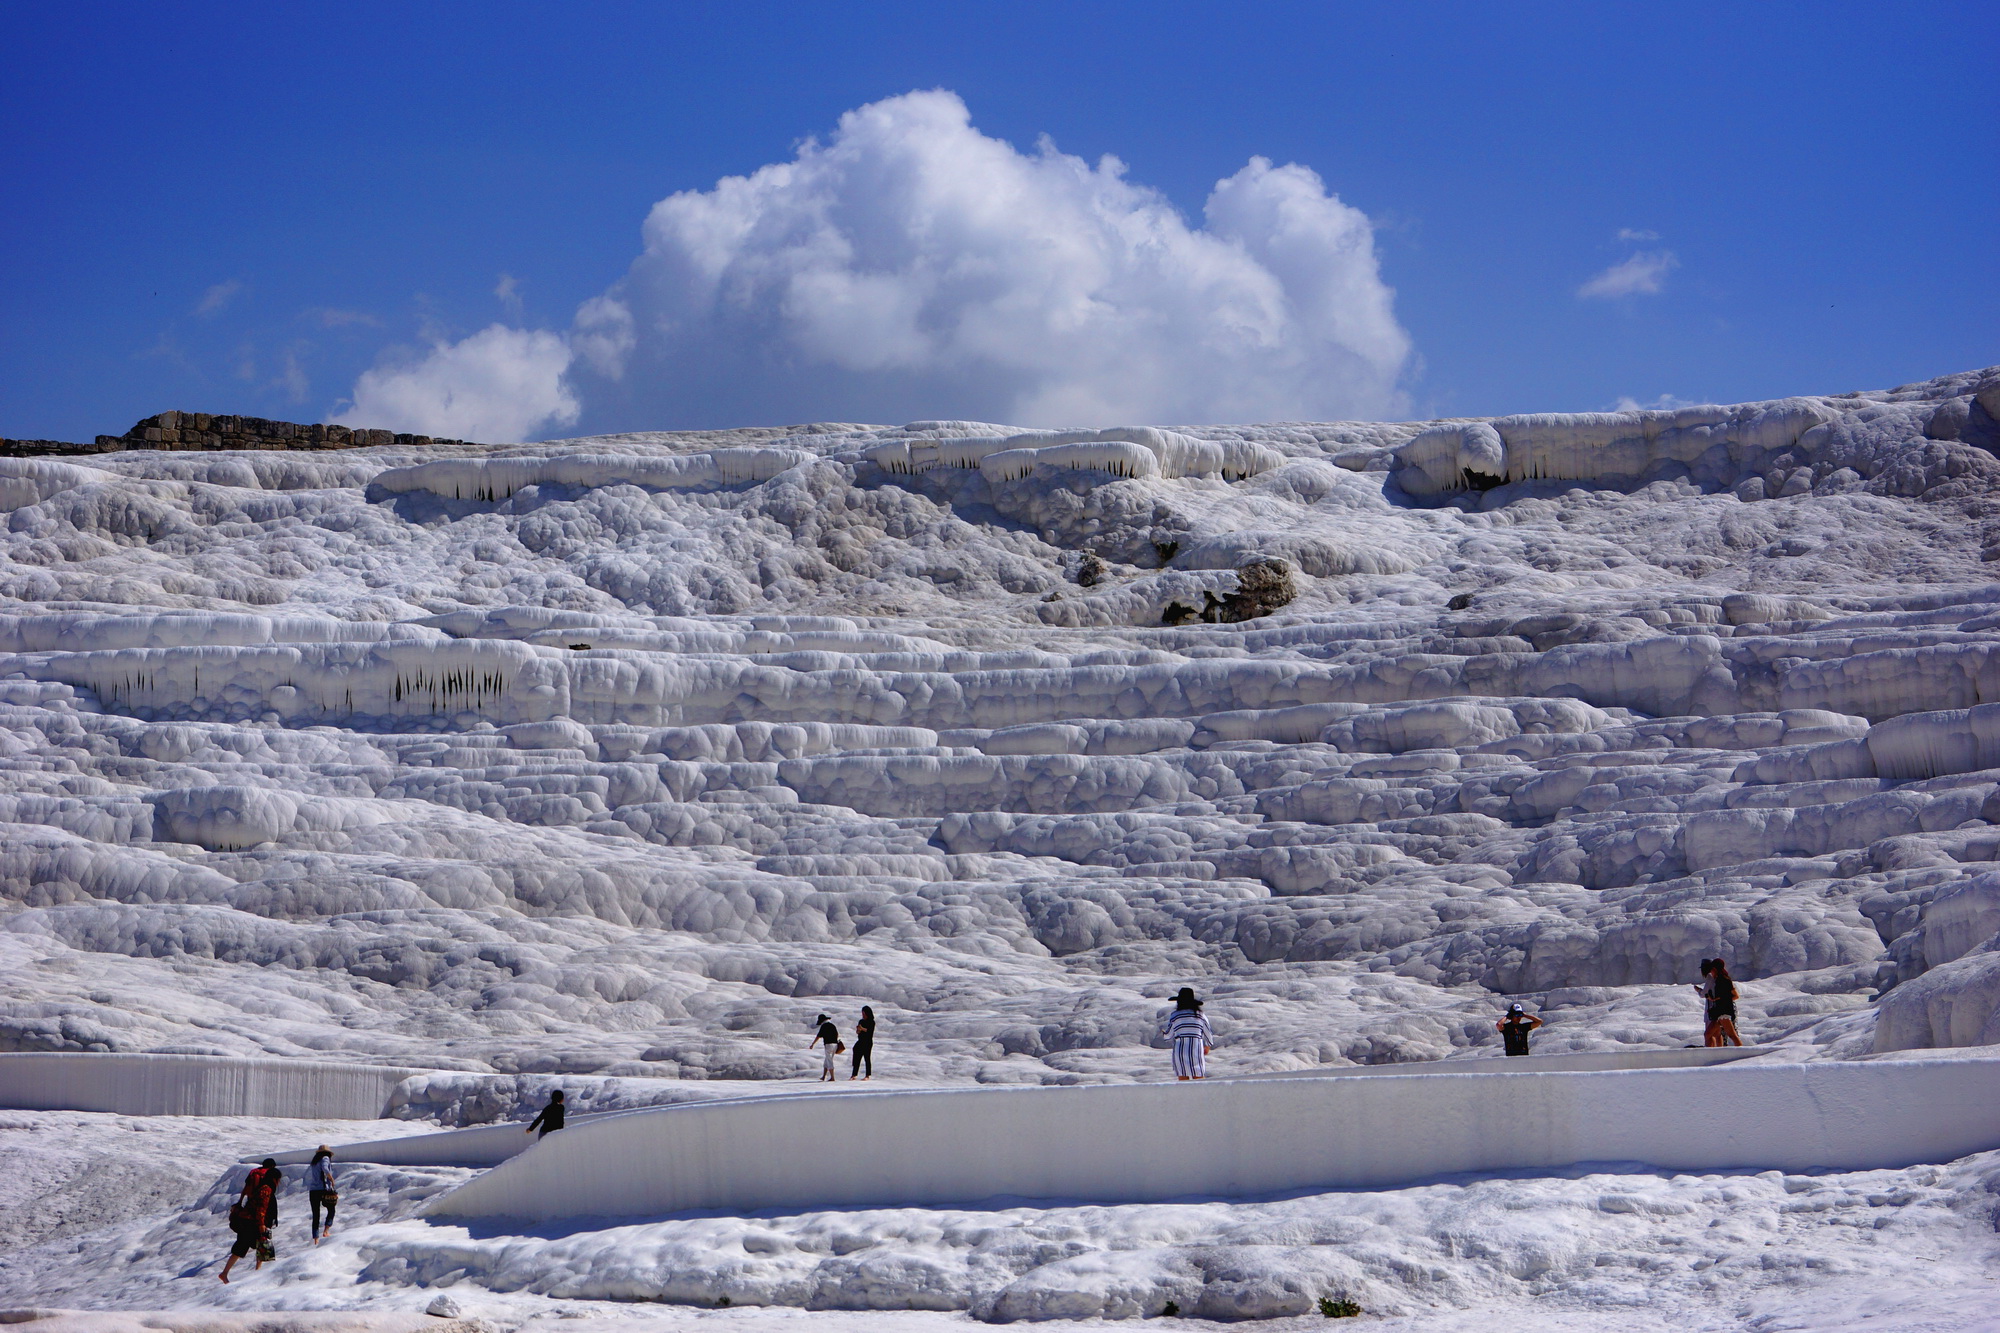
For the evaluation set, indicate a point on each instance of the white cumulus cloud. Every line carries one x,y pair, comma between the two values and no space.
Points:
216,297
1641,275
498,386
911,266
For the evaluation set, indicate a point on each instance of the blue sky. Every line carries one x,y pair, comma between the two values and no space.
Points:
254,208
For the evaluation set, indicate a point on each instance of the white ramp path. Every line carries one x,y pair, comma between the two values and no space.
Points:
1146,1142
490,1145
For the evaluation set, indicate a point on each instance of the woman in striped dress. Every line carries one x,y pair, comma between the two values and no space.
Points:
1190,1035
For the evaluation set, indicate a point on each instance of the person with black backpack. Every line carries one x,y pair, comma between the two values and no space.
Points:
253,1215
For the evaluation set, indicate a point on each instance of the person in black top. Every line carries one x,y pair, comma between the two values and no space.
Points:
1721,1005
864,1044
551,1118
1515,1027
827,1037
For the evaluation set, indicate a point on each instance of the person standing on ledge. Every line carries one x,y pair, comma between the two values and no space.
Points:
253,1215
1190,1035
1515,1027
320,1191
551,1118
829,1038
864,1045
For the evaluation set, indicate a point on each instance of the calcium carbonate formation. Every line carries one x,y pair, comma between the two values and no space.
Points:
626,756
613,762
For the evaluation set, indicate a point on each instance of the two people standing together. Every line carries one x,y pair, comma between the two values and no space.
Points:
1718,993
827,1038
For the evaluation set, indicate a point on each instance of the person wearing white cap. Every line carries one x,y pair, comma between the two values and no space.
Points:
1515,1027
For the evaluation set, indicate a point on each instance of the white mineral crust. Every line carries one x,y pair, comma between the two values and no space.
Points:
610,763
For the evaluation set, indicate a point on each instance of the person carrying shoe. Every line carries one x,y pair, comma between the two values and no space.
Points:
253,1215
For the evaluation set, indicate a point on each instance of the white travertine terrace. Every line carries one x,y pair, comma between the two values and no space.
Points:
1101,1144
617,760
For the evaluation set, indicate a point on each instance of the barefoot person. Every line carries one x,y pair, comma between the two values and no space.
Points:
1515,1027
253,1215
1706,989
864,1045
551,1118
1190,1035
320,1191
1722,1005
828,1037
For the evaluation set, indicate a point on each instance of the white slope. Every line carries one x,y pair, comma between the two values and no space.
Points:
1229,1137
1589,1249
615,762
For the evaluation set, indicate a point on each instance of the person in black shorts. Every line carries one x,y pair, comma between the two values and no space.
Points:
1515,1027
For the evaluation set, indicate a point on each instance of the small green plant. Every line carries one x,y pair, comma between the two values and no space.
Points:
1170,1309
1338,1307
722,1302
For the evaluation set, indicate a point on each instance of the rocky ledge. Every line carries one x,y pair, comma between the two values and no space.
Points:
203,430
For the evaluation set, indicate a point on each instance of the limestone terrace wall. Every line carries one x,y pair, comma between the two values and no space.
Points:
1142,1142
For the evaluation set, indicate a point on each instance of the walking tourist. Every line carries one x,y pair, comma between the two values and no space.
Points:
828,1037
320,1191
551,1117
1515,1027
1190,1036
1721,1006
864,1045
253,1215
